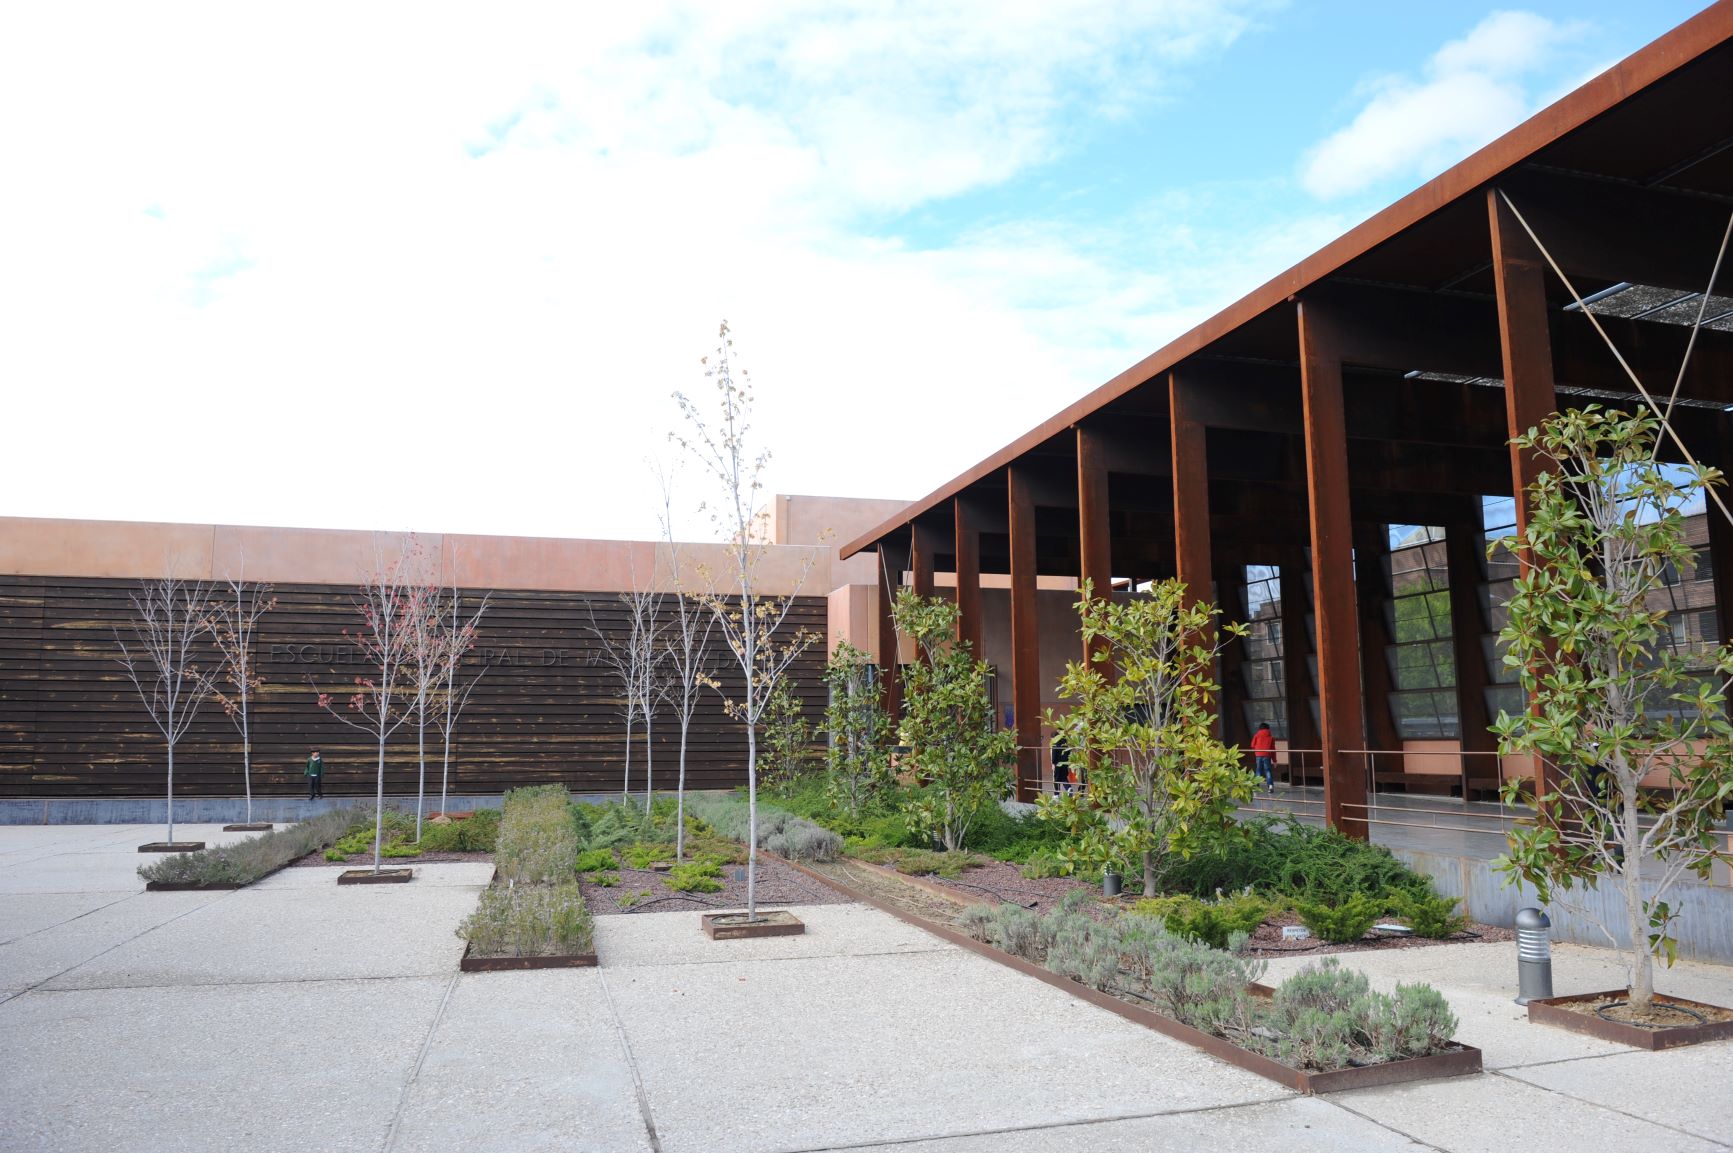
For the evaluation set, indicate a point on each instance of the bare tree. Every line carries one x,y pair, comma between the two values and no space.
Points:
425,671
458,638
170,618
389,602
234,620
689,665
750,621
633,661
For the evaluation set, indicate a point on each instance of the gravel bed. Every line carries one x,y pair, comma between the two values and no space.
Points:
777,885
317,857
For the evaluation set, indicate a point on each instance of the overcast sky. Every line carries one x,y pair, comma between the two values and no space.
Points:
355,266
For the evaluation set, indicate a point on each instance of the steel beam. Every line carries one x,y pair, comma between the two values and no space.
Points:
1025,635
1341,712
1191,502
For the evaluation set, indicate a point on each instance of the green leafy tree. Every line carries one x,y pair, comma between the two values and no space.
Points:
787,746
858,762
961,763
1612,703
1160,782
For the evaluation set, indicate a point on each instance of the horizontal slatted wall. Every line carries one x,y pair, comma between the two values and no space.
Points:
545,710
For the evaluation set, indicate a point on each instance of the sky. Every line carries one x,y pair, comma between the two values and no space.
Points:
364,266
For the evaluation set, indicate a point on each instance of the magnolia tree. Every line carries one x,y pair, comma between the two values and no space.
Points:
1634,733
858,759
233,623
687,660
457,639
390,602
1159,780
753,625
170,618
961,762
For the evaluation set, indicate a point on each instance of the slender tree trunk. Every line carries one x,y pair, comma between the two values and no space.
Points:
420,762
649,758
1642,959
171,791
445,775
680,799
379,805
751,819
626,783
246,750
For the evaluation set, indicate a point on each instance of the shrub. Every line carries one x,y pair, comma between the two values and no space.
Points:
1291,859
246,861
395,830
475,834
1429,916
646,853
695,877
606,880
530,921
1340,924
537,841
800,837
1325,1017
1212,923
595,861
1042,864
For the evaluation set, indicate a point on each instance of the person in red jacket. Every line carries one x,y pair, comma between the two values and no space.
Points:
1264,755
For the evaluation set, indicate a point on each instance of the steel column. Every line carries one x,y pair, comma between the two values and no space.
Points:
920,561
1341,711
1371,590
1094,529
891,564
1296,666
1191,513
1519,274
1464,542
1025,639
968,550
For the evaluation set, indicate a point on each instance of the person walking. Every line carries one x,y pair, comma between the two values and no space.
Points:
315,776
1264,755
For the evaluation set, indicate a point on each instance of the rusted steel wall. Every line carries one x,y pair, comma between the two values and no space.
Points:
544,711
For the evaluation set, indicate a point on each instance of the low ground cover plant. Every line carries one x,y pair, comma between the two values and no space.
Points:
1212,922
919,862
779,830
1429,916
1341,924
695,877
246,861
1286,858
535,907
596,861
475,834
530,920
537,841
1323,1017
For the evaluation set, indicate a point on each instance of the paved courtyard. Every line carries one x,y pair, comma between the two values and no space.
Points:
295,1015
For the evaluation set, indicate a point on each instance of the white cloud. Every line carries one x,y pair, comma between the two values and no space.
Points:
263,270
1474,89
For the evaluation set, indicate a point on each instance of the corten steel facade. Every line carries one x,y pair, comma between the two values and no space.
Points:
544,709
1376,384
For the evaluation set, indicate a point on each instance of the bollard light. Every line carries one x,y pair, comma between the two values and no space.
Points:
1533,956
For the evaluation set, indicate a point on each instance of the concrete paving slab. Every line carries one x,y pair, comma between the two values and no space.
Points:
22,914
1689,1089
34,959
843,1050
108,858
1492,1113
831,930
523,1062
1300,1125
293,935
255,1068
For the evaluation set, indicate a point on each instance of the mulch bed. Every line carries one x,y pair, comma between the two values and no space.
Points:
777,885
1001,881
317,857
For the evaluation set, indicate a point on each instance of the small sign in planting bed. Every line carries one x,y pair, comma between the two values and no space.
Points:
474,964
736,926
1581,1013
1457,1061
172,847
369,877
250,827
